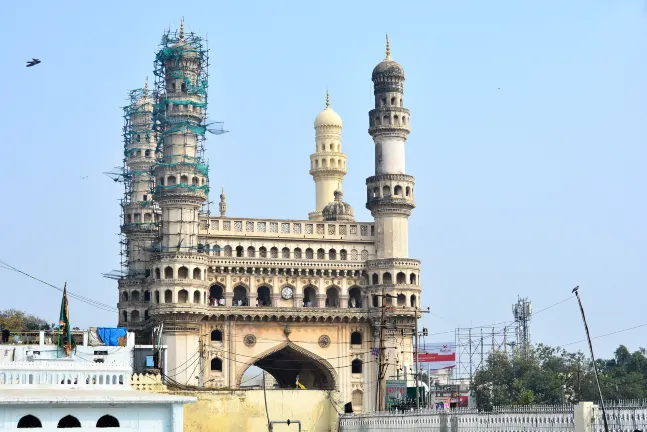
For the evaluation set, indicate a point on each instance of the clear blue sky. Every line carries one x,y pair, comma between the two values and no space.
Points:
528,142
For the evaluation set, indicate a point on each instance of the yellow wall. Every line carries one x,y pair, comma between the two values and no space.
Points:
242,411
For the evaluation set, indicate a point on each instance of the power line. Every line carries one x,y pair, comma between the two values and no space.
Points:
605,335
94,303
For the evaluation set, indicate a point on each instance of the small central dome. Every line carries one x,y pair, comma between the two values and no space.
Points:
338,210
388,67
328,117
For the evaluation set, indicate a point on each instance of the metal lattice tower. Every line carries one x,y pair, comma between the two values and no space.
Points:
522,312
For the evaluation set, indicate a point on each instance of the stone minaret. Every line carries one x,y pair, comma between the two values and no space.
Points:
140,214
182,187
223,203
390,200
327,163
390,190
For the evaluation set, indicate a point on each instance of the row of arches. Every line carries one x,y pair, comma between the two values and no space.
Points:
30,421
400,299
184,179
182,273
285,253
398,192
333,147
137,217
389,120
310,297
393,102
136,296
400,278
323,163
133,316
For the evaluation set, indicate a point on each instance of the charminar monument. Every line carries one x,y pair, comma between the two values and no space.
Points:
323,302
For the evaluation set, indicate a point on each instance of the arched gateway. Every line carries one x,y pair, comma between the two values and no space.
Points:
287,361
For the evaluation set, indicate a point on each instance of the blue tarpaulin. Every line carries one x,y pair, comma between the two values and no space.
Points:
112,336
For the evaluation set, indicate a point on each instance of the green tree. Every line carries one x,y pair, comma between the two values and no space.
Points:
15,320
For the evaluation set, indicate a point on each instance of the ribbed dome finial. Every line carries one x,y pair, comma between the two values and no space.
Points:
327,98
182,28
146,88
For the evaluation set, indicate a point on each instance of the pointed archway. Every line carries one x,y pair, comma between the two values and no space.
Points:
286,362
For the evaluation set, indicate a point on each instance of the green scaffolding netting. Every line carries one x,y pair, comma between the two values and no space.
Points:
202,168
128,152
162,104
204,188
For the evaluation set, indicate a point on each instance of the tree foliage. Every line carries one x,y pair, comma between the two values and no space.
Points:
15,320
547,375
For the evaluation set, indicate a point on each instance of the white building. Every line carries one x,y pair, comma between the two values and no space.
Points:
53,394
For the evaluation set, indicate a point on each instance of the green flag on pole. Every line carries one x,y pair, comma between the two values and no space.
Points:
64,334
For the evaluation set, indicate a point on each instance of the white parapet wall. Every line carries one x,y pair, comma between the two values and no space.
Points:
59,374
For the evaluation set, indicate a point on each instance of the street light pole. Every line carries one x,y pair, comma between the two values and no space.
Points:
417,355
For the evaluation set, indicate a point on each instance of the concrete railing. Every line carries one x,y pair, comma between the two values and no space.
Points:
148,382
64,374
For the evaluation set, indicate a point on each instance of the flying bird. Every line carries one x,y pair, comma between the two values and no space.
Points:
84,177
33,62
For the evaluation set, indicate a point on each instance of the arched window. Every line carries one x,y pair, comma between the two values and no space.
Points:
285,253
413,300
354,298
195,181
124,314
148,217
197,273
343,255
29,421
412,279
407,191
356,338
274,253
124,296
107,421
134,316
353,254
376,301
262,252
297,253
200,248
227,251
157,297
135,296
321,254
168,272
216,250
168,296
386,191
147,296
216,336
393,101
332,297
196,297
157,273
309,253
386,120
183,273
357,399
332,254
240,296
396,120
397,190
251,252
383,102
356,366
264,298
324,164
402,300
310,297
69,422
387,279
375,279
216,292
183,296
184,180
404,120
401,278
240,251
364,255
171,181
216,365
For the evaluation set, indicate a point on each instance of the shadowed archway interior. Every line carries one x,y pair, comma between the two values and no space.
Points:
288,363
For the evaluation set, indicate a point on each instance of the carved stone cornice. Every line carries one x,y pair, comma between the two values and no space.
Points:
390,263
396,177
260,314
327,172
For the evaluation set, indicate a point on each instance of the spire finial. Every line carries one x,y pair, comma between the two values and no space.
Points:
182,28
146,87
388,48
327,98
